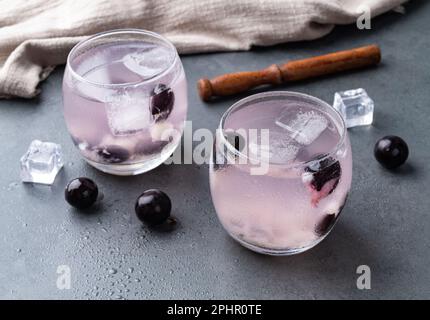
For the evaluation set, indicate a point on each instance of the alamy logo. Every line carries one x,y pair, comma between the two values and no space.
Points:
364,280
64,277
364,20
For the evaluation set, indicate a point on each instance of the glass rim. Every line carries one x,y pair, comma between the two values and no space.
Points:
98,35
309,98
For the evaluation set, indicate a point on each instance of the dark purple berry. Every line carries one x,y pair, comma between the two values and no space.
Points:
113,154
153,207
325,177
329,219
324,171
162,101
391,151
81,193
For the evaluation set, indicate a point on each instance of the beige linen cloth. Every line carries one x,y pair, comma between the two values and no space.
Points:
36,35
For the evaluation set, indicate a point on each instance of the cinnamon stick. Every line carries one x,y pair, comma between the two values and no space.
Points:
233,83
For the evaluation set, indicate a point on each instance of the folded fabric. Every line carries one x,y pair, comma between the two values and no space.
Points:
37,35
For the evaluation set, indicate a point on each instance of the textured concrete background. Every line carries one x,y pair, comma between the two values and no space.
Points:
385,224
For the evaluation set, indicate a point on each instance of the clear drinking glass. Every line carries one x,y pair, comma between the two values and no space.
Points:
280,172
125,100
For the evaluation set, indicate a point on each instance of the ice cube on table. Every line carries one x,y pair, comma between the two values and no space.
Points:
148,62
41,163
127,113
303,127
355,106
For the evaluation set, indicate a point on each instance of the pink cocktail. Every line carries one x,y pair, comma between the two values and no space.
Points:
125,100
281,171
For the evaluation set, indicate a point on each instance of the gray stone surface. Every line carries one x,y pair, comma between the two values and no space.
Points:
385,224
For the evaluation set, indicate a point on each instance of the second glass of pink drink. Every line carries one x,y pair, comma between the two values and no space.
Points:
280,194
125,100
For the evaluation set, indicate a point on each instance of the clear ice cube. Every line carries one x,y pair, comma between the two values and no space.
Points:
355,106
127,113
148,62
281,149
41,163
303,127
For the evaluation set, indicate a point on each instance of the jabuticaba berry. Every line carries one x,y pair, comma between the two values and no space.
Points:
162,101
326,175
113,154
329,219
81,193
391,151
328,169
153,207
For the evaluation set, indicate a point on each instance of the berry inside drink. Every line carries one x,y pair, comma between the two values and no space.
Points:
295,202
125,101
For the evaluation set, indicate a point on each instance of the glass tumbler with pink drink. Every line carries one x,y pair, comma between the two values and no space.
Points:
280,172
125,100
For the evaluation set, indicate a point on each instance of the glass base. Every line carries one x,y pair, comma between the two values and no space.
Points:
133,169
276,252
